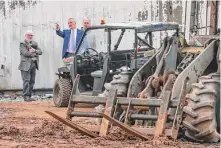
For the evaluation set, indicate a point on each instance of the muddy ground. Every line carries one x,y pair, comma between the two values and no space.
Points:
25,124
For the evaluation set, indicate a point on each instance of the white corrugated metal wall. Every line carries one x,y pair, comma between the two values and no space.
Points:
40,17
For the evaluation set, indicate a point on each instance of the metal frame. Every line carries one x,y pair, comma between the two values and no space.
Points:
107,116
140,27
165,102
173,87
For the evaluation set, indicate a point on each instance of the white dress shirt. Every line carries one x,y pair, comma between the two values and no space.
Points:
70,50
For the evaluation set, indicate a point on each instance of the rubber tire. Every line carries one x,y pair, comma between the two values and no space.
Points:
202,114
62,92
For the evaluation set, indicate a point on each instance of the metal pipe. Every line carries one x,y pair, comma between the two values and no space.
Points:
143,117
216,17
150,39
147,117
109,41
155,102
141,102
206,16
119,39
135,47
89,99
85,114
185,20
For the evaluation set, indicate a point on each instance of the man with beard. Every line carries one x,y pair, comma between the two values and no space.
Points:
29,52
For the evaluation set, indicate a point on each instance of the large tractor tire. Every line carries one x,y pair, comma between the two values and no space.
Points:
62,92
202,113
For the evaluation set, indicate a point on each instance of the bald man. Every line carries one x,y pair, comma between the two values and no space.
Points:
91,34
86,23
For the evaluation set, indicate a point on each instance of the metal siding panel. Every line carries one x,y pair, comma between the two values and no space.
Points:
43,14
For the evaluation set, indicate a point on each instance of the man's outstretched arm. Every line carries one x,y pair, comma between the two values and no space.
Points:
59,32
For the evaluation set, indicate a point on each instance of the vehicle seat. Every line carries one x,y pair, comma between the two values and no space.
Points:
97,79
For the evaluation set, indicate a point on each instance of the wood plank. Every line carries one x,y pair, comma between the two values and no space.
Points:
213,17
125,127
73,125
179,111
162,118
109,109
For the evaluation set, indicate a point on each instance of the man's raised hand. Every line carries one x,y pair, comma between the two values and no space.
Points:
57,27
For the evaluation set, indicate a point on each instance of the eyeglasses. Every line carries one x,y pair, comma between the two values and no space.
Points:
29,35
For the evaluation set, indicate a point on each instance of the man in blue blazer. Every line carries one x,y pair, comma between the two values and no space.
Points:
72,38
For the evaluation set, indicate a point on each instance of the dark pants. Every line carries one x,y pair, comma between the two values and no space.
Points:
28,78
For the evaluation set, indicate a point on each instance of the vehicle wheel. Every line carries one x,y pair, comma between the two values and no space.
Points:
202,113
61,92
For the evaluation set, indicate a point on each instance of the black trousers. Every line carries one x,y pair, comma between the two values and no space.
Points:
28,78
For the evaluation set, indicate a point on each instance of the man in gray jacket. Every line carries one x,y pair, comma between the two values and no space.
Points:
29,52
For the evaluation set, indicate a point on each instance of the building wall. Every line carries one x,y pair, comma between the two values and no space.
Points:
40,16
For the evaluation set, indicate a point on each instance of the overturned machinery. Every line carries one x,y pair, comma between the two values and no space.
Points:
176,89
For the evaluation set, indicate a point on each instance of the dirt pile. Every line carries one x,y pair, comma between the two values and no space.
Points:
25,125
9,131
48,129
51,130
120,135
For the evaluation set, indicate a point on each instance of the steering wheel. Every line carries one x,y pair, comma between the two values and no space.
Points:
90,54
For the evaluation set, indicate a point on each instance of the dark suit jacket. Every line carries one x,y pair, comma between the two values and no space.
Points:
26,56
66,35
